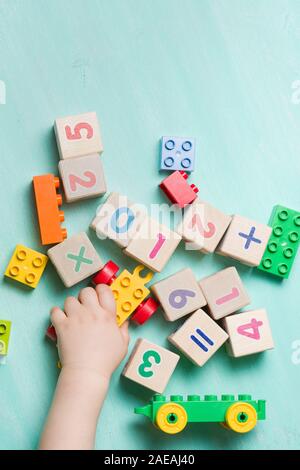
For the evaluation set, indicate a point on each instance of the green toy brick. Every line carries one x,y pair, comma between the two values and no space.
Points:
5,327
283,244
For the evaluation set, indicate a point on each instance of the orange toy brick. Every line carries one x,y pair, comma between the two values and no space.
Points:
178,190
48,202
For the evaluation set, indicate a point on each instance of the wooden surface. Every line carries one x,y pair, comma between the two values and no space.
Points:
226,72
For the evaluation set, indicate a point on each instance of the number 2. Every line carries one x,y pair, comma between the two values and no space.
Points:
77,135
147,364
196,221
75,180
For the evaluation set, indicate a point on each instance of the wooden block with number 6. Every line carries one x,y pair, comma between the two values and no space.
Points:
249,333
78,135
179,294
82,177
150,365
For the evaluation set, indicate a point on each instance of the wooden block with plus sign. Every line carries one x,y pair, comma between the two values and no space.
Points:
75,259
150,365
199,337
224,292
249,333
245,240
179,294
78,135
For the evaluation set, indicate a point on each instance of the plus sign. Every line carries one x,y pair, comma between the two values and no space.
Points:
79,259
250,238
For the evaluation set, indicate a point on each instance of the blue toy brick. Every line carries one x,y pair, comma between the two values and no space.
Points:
177,153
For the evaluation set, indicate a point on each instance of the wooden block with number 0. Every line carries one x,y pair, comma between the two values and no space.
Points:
150,365
82,177
78,135
179,294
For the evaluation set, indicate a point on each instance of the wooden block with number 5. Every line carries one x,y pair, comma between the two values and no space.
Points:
179,294
78,135
249,333
150,365
82,177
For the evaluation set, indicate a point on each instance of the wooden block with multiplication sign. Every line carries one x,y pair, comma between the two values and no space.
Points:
78,135
75,259
203,226
179,294
118,219
249,333
153,244
224,292
199,337
82,177
150,365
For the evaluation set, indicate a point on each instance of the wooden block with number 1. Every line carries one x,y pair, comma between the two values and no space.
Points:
150,365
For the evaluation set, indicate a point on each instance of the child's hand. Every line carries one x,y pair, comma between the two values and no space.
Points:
87,332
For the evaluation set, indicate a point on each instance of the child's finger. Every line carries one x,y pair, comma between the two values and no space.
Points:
125,332
57,316
106,298
71,306
88,297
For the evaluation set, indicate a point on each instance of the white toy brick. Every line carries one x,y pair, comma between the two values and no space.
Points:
245,240
153,244
224,292
78,135
118,219
150,365
179,294
199,337
249,333
82,177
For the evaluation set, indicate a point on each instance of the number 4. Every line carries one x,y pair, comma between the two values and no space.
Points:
253,325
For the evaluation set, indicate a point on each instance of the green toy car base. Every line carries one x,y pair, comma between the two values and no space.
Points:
283,244
239,415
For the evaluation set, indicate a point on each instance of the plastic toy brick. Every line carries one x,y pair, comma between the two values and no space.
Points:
51,333
129,290
26,266
178,190
5,327
177,153
47,204
283,244
171,416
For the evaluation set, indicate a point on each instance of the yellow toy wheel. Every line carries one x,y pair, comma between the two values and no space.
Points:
171,418
241,417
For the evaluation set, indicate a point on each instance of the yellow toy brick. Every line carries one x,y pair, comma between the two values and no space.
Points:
26,266
5,326
129,291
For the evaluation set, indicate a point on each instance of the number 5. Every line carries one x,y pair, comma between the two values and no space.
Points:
76,135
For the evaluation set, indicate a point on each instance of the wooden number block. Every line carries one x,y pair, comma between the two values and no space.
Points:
245,240
82,177
118,219
203,225
179,294
150,365
153,244
249,333
199,337
75,259
78,135
224,292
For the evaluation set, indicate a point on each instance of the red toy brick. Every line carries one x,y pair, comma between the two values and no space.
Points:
178,190
107,274
144,311
51,333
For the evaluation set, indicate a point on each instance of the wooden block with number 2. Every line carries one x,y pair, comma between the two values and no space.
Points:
78,135
82,177
150,365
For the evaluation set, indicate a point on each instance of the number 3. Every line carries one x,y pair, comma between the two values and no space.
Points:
76,135
147,364
75,180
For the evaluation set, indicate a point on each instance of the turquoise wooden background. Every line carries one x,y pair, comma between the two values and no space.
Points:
223,71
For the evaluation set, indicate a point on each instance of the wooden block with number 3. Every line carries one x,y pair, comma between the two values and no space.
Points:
78,135
249,333
82,177
150,365
179,294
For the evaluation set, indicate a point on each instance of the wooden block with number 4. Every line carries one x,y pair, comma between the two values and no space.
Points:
82,177
224,292
78,135
179,294
150,365
249,333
